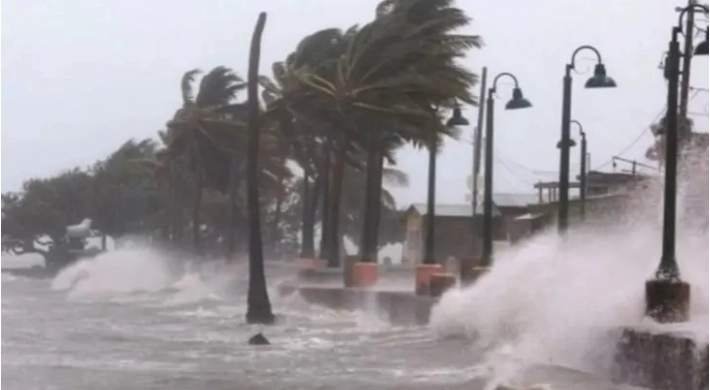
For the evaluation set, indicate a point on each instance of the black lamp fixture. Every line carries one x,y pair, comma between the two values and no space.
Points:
457,119
516,102
702,48
598,80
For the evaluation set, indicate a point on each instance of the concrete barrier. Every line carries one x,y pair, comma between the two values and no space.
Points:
661,361
399,308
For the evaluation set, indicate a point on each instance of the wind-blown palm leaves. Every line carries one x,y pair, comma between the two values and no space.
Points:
201,124
394,74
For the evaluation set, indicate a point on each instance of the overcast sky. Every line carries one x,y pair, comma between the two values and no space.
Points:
80,77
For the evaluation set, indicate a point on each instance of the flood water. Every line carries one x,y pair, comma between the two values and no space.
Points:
120,329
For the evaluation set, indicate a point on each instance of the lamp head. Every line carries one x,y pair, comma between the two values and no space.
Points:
702,48
457,119
518,101
600,79
571,144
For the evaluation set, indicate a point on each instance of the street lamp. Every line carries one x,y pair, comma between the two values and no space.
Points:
582,171
429,266
599,80
667,296
516,102
457,119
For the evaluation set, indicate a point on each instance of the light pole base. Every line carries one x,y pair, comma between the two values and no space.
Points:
668,300
440,283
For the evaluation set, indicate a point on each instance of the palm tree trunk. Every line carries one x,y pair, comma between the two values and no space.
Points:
367,253
307,248
325,211
234,166
258,305
174,204
275,233
377,199
429,251
277,213
334,212
196,202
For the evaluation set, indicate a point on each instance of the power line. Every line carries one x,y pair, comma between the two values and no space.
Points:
507,168
637,139
660,114
521,166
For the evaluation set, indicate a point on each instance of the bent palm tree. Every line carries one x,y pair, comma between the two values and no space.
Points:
258,305
201,123
391,75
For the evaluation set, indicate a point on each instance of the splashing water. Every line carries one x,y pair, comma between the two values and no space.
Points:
563,303
117,272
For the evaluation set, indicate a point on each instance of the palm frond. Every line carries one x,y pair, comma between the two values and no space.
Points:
186,85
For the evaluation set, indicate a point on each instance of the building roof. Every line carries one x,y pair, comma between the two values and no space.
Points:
501,200
450,210
515,200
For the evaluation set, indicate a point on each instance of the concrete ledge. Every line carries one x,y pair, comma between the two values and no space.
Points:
661,361
399,308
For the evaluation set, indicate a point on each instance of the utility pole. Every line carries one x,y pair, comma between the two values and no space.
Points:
685,72
477,160
583,177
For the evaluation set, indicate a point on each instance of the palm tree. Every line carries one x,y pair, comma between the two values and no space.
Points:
201,124
258,305
394,70
296,110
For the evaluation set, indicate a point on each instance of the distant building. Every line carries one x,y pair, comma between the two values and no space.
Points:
454,227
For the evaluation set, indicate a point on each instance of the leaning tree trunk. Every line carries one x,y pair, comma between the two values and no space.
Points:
275,236
231,213
367,251
377,199
258,305
312,212
335,195
307,249
325,211
196,202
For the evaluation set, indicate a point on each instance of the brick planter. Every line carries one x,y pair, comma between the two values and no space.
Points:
364,274
440,283
422,277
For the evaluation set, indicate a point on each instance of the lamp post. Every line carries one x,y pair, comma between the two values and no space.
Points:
516,102
457,119
599,80
667,296
424,272
582,172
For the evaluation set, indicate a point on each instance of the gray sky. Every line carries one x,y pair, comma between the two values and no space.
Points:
80,77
